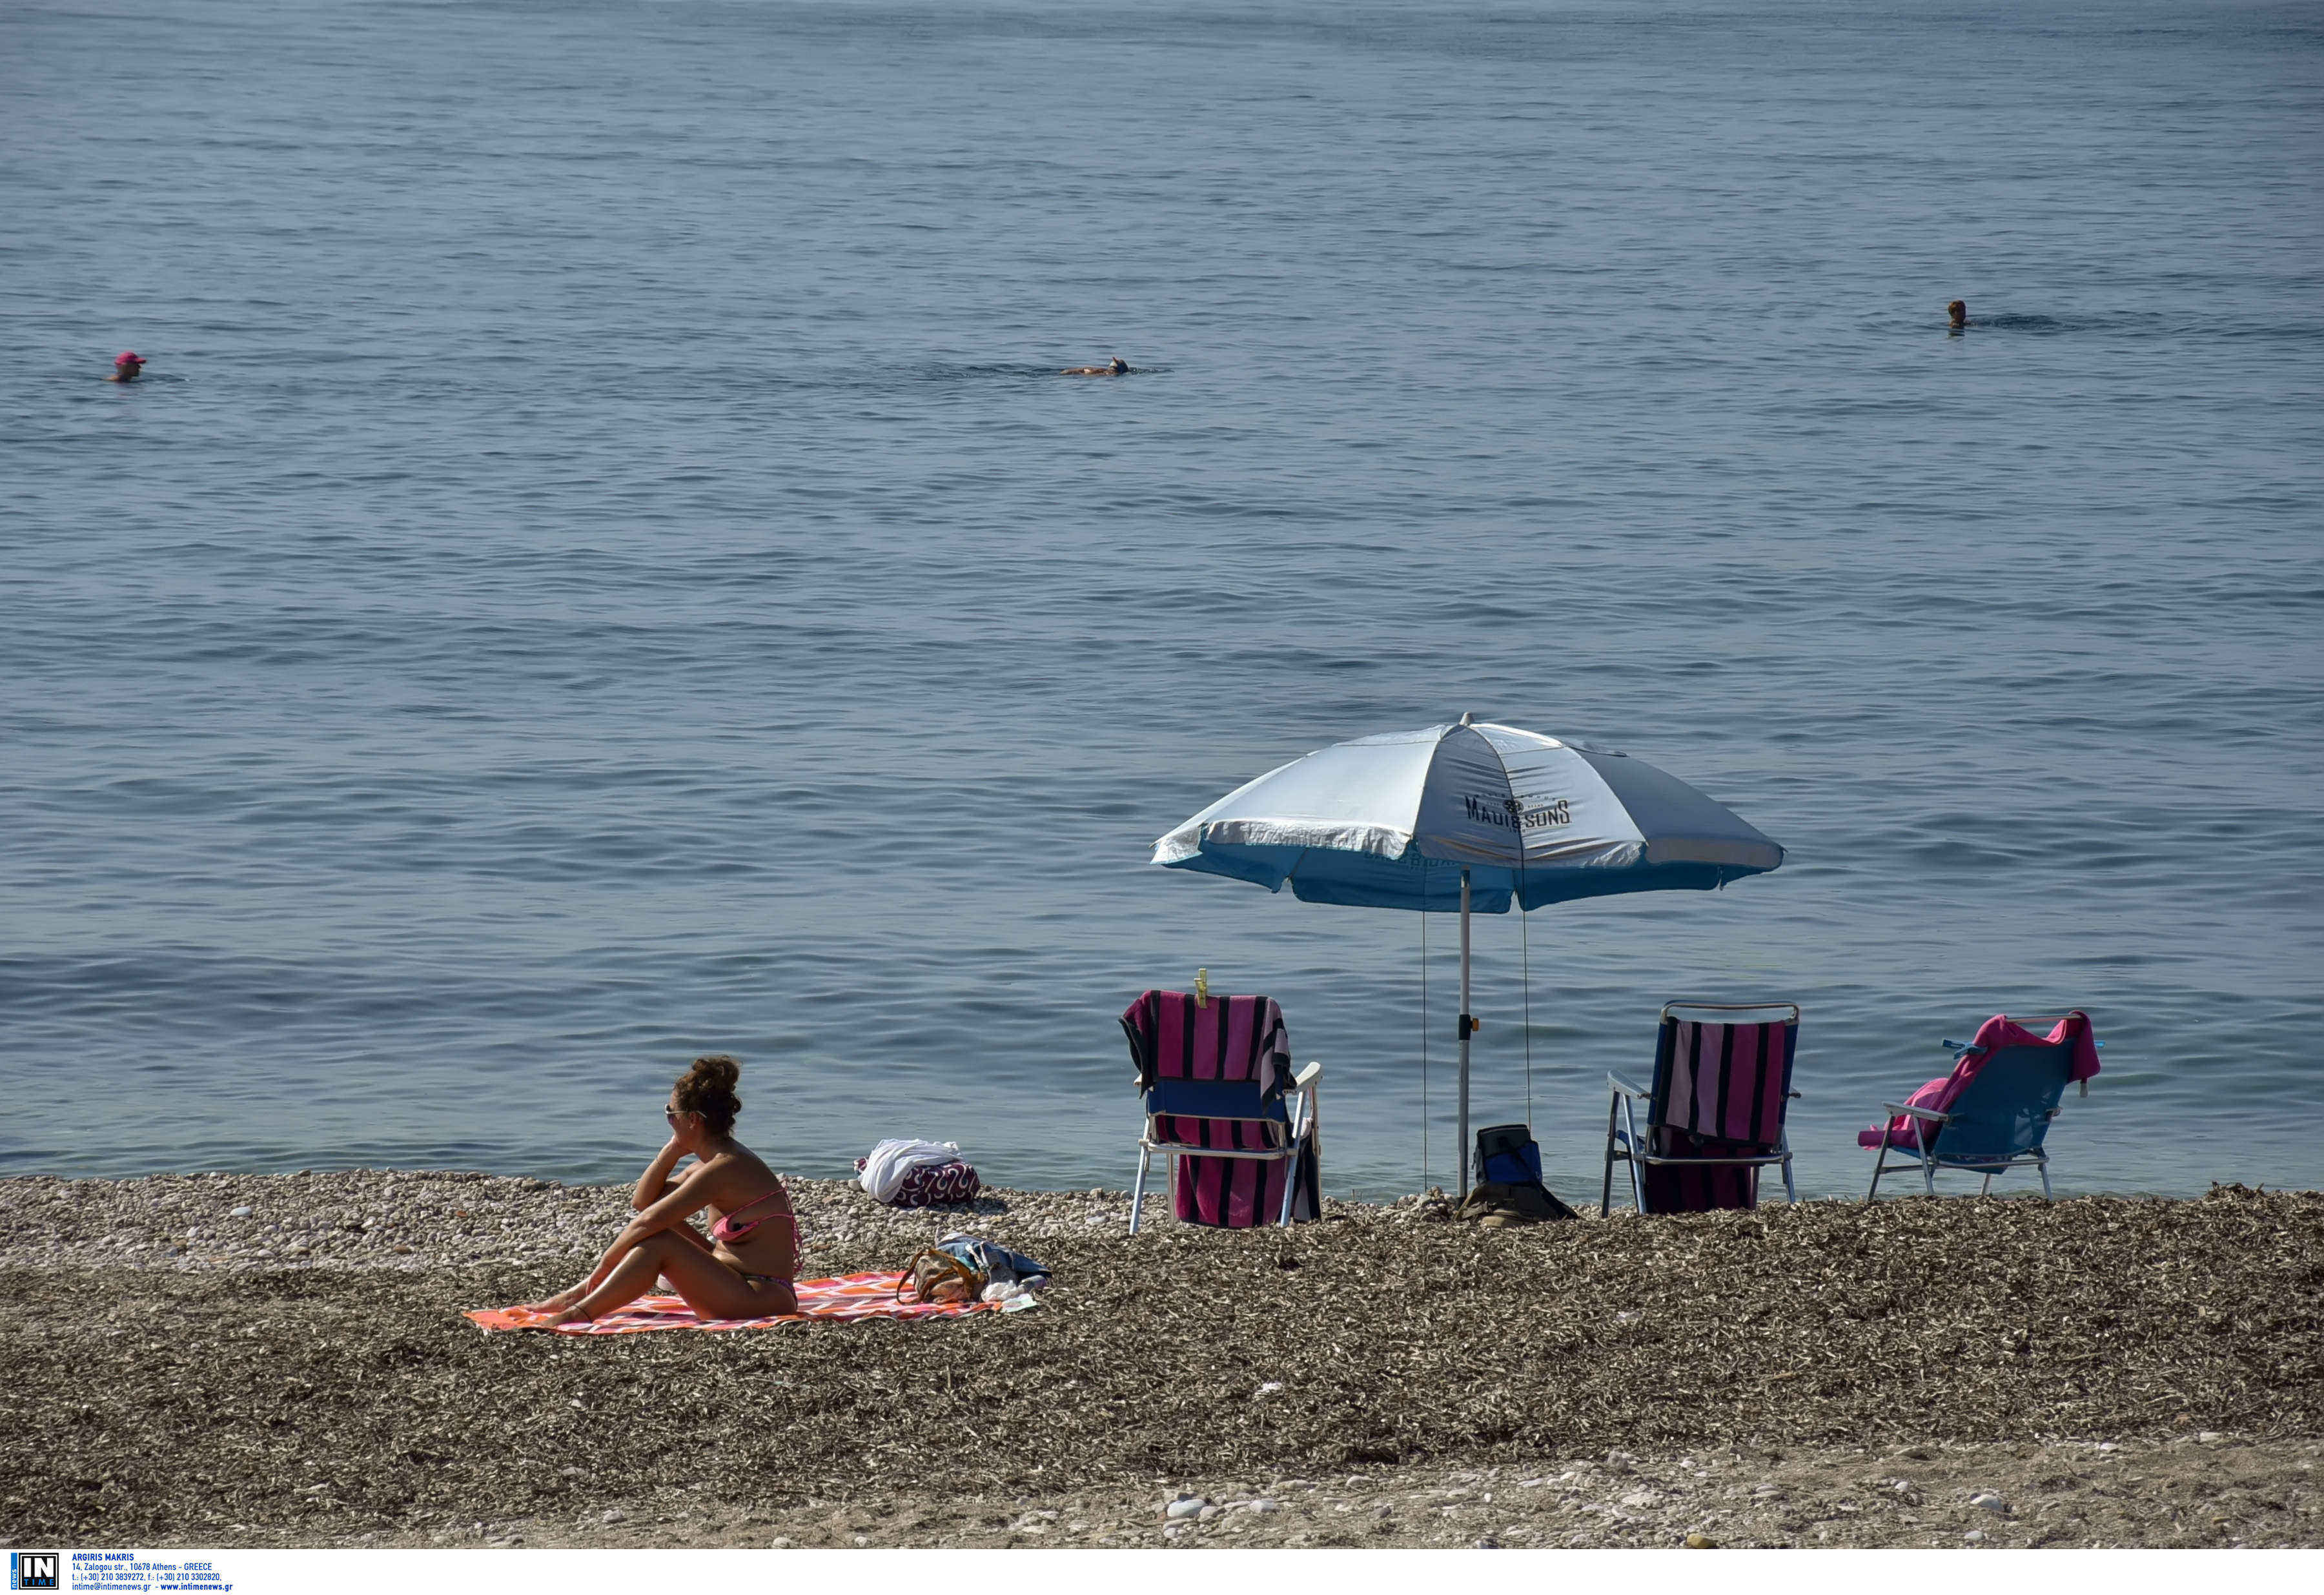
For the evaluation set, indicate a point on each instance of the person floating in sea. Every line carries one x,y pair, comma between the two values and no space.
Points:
1957,314
1117,367
745,1268
126,366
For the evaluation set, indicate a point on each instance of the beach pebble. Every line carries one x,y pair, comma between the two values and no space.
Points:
1264,1505
1184,1507
241,1212
1974,1535
1989,1501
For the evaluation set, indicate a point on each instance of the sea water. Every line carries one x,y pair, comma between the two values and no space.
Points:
602,566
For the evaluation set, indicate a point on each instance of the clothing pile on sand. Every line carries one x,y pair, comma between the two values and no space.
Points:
916,1173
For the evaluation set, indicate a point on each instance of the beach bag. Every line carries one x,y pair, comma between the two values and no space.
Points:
996,1262
1507,1155
936,1275
1508,1189
938,1184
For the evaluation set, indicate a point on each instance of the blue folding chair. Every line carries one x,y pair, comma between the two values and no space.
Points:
1997,1121
1198,1122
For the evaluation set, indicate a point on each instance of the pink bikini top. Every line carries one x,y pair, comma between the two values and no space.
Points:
729,1232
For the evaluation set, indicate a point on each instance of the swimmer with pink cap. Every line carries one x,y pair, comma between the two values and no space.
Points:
126,366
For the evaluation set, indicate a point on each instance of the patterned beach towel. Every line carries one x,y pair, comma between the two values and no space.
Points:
850,1295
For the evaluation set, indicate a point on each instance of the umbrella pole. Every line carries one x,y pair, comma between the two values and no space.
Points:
1461,1146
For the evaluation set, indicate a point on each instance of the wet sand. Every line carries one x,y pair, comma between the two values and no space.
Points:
2101,1372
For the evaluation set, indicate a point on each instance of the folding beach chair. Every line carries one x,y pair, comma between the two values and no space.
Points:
1992,1114
1216,1074
1715,1116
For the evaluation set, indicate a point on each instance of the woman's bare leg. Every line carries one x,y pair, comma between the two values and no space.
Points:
709,1287
631,1277
558,1303
563,1299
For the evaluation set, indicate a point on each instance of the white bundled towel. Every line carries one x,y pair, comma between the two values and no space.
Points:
884,1170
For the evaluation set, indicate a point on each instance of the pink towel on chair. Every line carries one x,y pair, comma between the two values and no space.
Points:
1999,1031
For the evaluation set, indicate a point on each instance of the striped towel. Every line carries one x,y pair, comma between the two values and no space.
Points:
849,1297
1727,1081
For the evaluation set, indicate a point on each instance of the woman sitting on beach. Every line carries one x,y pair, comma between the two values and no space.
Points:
745,1268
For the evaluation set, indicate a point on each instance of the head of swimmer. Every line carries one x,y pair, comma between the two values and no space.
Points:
1957,313
703,1105
126,366
1117,365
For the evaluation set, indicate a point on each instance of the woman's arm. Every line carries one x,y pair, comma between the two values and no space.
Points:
654,1184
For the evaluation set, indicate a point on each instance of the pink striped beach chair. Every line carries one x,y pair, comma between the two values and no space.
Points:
1715,1116
1215,1072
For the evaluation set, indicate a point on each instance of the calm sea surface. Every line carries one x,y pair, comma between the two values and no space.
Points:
602,568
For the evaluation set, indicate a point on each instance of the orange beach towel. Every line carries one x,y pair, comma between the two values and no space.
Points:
850,1295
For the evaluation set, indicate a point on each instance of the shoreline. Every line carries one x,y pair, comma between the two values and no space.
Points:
2116,1371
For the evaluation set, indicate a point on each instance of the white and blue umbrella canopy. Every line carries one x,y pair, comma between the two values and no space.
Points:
1391,821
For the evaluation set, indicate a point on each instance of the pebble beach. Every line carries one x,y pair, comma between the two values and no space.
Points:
268,1360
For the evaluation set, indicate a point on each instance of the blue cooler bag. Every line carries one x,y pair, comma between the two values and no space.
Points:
1507,1155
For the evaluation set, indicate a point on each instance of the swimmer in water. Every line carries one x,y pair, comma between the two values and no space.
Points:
1117,367
125,368
1957,314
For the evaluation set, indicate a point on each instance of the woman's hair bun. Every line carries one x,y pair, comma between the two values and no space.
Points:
707,1088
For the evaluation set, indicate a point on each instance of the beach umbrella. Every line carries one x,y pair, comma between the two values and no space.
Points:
1468,818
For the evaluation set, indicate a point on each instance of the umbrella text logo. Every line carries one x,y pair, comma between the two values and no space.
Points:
1512,811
